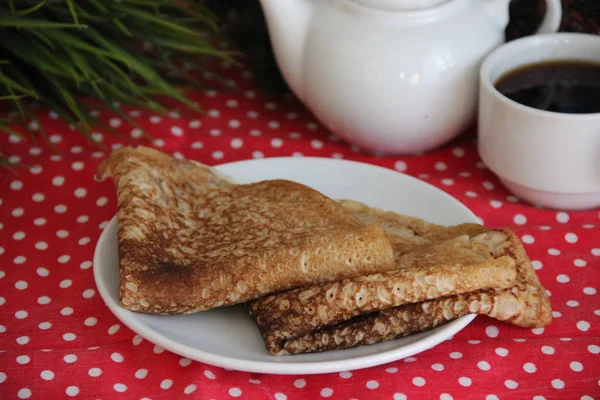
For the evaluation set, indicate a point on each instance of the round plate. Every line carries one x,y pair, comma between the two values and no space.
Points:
227,337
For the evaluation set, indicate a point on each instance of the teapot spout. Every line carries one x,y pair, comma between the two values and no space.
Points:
288,22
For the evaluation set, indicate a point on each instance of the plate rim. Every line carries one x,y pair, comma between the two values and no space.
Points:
275,367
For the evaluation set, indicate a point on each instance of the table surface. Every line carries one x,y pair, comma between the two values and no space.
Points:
58,339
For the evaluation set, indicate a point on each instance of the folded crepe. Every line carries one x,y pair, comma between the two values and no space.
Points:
190,239
436,283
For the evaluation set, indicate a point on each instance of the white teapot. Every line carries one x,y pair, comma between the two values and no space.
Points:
392,76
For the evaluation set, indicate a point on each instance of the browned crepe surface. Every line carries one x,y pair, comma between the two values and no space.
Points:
190,240
524,304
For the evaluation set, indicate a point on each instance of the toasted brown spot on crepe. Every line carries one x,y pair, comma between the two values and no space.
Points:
190,240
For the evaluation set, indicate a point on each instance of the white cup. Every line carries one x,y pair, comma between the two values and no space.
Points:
547,158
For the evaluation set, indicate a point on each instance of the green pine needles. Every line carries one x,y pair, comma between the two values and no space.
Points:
74,55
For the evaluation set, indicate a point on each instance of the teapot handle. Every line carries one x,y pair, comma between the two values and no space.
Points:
553,17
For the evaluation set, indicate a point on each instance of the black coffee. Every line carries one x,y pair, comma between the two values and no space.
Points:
559,86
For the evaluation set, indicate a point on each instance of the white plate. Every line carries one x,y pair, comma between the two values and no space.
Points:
227,337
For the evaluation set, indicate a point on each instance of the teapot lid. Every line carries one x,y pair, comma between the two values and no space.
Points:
400,5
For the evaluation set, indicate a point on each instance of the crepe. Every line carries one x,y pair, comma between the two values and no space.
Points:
190,240
456,266
406,232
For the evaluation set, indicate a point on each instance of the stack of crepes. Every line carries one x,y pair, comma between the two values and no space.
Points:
315,274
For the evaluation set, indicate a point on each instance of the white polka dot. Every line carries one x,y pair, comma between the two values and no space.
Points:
21,285
23,360
255,132
576,366
391,370
597,312
158,350
594,349
19,260
558,384
115,122
55,157
465,174
409,359
562,278
141,373
418,381
176,131
39,221
70,358
214,113
234,123
38,197
195,124
209,374
580,263
137,339
495,203
456,355
155,119
529,367
326,392
184,362
492,331
537,265
83,241
441,166
488,185
399,396
492,397
372,384
400,166
55,139
24,393
158,142
190,389
572,303
501,351
471,194
483,365
77,166
103,224
447,182
537,331
217,155
237,392
16,185
520,219
316,144
114,329
47,375
509,383
97,136
345,374
571,237
44,300
257,154
17,212
595,252
119,387
528,239
589,291
549,350
116,357
583,326
45,325
197,145
276,142
101,201
553,252
237,143
23,340
72,391
35,151
69,337
562,217
64,259
88,293
58,181
90,321
65,283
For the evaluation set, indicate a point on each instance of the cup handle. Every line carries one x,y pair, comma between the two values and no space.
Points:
553,17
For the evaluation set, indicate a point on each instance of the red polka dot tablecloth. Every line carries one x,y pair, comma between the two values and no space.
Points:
59,340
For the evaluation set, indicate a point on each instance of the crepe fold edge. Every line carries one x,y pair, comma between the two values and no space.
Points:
524,303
